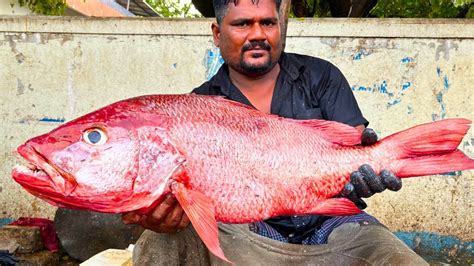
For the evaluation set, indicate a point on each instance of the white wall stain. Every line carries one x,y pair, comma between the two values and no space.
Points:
70,90
444,47
20,88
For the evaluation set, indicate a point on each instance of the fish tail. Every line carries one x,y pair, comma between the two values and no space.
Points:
430,148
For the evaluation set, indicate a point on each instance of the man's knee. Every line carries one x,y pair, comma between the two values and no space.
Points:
183,248
374,244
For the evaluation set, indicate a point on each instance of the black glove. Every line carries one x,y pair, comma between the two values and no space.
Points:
365,182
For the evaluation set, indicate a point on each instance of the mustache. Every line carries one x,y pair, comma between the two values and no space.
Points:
254,44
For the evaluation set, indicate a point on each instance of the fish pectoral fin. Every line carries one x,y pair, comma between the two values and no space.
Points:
335,207
200,211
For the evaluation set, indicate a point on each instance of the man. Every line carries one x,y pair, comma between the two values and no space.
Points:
257,73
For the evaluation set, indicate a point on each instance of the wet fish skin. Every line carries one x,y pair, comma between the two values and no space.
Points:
224,161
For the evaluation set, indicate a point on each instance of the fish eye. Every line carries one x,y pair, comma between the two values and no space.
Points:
94,136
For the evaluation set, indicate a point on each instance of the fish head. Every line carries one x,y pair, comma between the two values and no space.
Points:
112,160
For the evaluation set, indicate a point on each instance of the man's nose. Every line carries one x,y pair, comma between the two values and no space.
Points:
257,33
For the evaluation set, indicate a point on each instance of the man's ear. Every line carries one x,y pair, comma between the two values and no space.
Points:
216,33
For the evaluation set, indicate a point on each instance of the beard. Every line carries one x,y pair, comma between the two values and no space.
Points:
256,68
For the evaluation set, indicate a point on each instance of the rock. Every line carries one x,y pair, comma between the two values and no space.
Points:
28,237
83,234
40,258
183,248
8,245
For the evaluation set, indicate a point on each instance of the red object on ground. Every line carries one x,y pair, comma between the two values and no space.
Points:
47,229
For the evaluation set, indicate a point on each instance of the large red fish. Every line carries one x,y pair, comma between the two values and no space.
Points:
224,161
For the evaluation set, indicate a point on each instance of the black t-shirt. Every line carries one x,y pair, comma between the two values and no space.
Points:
306,88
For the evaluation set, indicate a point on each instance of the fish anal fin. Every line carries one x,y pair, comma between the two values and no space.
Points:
335,207
333,131
200,211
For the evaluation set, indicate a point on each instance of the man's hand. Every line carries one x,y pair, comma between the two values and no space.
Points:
365,182
166,217
369,137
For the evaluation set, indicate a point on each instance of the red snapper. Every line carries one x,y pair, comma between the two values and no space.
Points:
224,161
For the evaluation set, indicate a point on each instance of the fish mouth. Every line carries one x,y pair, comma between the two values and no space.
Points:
40,172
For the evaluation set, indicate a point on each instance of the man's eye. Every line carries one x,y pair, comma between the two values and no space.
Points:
242,24
268,24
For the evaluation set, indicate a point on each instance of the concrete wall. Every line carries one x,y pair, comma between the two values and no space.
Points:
403,72
12,7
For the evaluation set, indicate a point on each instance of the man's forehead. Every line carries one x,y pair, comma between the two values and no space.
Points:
247,8
251,3
236,2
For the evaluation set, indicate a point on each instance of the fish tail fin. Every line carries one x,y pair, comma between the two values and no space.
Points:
429,149
432,165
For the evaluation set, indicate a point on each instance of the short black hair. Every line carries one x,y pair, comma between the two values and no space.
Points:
220,7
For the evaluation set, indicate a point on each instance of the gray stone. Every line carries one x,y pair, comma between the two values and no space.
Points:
184,248
28,237
83,234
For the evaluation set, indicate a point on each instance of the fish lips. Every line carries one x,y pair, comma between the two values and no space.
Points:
41,172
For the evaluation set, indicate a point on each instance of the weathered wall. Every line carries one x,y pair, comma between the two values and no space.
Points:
12,7
403,72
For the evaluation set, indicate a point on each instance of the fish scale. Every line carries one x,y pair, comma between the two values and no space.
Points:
222,160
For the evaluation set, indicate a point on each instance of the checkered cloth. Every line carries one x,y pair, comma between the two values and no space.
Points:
319,236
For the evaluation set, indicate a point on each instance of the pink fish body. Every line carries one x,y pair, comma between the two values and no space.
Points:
224,161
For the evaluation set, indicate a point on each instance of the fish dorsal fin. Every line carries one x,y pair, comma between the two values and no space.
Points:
200,211
246,107
235,103
333,131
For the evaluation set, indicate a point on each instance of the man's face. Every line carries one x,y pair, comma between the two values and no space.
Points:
249,36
